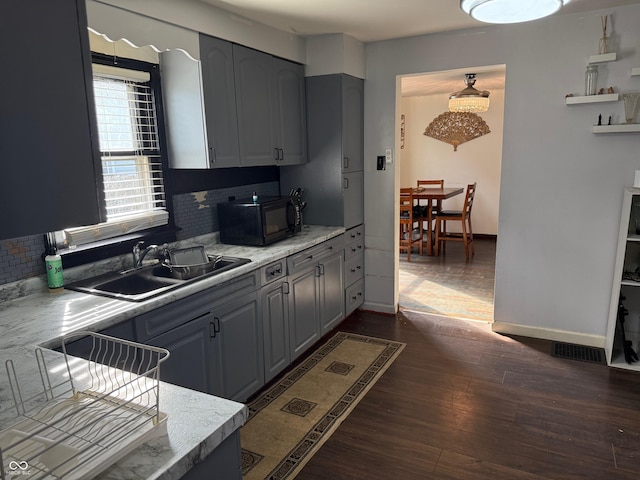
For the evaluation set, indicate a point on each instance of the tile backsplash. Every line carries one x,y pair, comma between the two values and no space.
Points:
195,213
21,258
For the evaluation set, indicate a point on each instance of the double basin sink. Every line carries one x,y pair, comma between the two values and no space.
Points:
139,284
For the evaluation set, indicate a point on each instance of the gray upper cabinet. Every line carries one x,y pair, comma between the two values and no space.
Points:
255,100
271,116
291,118
352,127
218,83
51,167
200,106
333,177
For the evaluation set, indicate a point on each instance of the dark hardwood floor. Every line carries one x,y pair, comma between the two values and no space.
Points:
461,402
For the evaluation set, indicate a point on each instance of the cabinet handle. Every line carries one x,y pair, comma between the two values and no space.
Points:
318,271
345,182
321,266
214,328
346,162
281,154
285,287
212,155
276,153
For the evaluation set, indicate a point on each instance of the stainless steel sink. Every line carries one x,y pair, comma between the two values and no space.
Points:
139,284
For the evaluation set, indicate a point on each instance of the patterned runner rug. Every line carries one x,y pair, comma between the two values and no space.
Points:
291,420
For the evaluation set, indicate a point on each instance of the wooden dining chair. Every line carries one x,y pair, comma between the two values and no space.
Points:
464,217
410,223
435,208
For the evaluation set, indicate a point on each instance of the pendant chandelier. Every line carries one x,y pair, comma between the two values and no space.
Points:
510,11
469,99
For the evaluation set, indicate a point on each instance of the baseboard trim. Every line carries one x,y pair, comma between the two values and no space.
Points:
378,308
597,341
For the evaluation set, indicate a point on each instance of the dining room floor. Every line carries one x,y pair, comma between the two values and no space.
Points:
448,284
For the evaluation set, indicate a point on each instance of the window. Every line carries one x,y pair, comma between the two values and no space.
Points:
130,140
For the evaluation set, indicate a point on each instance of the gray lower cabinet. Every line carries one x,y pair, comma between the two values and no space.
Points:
331,291
191,363
238,350
316,293
214,336
304,310
274,309
354,268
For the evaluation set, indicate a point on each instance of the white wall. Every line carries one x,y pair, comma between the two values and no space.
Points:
561,186
478,160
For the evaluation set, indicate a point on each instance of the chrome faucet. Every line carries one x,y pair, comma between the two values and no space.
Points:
139,253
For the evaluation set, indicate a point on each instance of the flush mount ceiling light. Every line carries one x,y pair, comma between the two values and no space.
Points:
510,11
470,99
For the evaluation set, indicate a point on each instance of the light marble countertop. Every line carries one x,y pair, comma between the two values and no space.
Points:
31,316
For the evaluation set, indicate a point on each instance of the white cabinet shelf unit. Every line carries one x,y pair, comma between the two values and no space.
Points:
622,128
607,97
626,284
635,71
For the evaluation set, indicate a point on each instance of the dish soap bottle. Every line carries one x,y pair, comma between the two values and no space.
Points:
53,265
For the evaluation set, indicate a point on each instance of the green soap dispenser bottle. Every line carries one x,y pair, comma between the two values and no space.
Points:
53,266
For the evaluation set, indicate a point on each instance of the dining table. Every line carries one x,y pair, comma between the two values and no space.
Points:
430,194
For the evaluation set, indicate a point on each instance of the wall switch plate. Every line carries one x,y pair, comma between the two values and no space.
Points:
389,155
380,165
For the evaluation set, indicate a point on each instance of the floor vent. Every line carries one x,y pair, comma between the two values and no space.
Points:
578,352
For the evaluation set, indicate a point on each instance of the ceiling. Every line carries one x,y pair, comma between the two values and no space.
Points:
375,20
372,20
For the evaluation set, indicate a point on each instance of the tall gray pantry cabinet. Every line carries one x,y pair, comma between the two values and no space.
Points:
48,130
333,177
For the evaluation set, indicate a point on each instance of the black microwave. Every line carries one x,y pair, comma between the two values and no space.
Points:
258,222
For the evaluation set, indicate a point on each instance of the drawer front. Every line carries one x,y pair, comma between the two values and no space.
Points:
354,248
273,271
354,296
163,319
310,256
353,234
354,269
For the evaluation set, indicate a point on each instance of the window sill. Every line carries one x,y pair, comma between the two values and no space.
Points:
112,247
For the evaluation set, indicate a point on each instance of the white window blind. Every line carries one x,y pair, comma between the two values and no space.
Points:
131,162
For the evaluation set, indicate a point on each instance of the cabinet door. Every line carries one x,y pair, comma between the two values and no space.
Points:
275,328
352,124
331,292
218,85
239,347
291,118
191,363
353,196
51,170
255,101
304,311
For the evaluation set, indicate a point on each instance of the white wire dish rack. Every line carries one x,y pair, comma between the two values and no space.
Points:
67,433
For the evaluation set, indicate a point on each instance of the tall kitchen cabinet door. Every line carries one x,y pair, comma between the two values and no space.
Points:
333,176
275,327
353,124
51,170
219,90
290,107
239,347
255,100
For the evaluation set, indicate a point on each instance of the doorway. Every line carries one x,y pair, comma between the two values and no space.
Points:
449,284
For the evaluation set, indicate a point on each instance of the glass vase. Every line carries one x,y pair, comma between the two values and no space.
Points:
631,102
591,80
